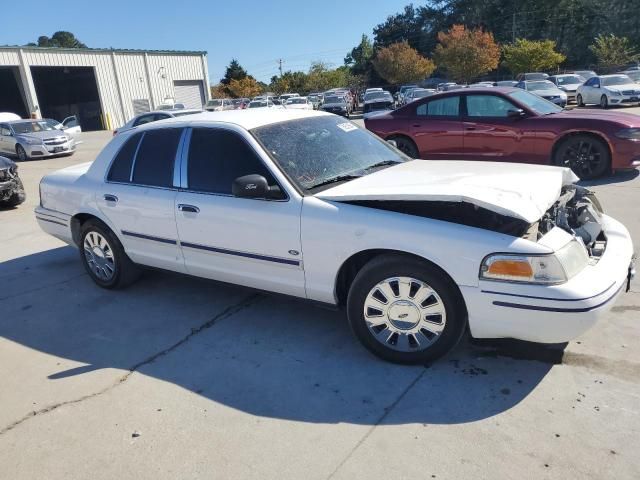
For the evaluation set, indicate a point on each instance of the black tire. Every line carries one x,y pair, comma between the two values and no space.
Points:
586,155
406,146
579,101
125,272
387,267
21,153
604,102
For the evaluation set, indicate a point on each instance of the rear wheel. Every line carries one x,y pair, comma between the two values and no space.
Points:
586,155
406,146
604,101
21,153
104,258
404,310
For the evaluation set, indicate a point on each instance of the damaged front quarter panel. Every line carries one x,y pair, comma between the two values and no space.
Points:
11,189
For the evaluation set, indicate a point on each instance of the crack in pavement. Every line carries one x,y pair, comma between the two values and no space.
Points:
387,411
226,313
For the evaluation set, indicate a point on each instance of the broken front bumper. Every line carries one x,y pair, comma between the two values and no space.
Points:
12,191
558,313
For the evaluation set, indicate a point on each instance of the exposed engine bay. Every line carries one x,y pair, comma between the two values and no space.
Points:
577,212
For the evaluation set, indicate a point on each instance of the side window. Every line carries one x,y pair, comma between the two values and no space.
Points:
4,130
217,157
160,116
488,106
144,119
121,167
156,157
441,107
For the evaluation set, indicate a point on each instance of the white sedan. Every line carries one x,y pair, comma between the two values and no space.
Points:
308,204
298,103
608,90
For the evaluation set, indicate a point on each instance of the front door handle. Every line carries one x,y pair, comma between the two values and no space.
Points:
416,125
188,208
110,198
469,128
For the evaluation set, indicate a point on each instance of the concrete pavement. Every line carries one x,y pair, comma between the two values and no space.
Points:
178,377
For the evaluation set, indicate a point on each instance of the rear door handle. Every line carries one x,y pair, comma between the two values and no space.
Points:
416,125
188,208
110,198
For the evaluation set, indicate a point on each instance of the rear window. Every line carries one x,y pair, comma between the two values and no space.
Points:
156,157
121,167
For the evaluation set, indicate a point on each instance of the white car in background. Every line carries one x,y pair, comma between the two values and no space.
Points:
568,83
298,103
417,93
308,204
608,90
69,125
219,104
149,117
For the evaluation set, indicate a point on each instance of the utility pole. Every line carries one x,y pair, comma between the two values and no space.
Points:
280,66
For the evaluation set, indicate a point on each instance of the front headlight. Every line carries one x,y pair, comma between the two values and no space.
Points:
549,269
629,134
539,269
615,93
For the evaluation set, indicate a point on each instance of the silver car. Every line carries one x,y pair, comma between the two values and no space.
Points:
34,139
568,83
149,117
545,89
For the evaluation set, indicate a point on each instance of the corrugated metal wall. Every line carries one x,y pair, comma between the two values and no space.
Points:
133,81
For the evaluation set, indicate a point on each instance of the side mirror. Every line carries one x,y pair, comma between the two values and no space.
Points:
393,143
254,186
517,113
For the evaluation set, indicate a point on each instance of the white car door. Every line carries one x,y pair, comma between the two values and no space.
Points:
5,137
252,242
138,198
591,91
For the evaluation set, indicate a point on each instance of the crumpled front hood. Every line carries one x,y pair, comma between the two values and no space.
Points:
6,163
520,191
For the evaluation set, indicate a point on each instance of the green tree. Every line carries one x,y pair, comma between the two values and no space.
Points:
531,56
234,72
613,52
359,58
399,63
466,54
60,39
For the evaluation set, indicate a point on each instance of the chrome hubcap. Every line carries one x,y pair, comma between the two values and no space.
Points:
99,256
404,314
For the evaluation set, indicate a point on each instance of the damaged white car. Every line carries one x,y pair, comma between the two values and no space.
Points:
307,204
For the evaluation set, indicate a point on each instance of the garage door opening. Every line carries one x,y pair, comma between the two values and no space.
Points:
11,93
189,92
66,91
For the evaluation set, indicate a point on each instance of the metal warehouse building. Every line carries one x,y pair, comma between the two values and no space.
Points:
103,88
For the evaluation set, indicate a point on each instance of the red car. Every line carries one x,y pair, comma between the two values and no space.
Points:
512,125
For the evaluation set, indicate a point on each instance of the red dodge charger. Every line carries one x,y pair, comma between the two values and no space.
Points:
512,125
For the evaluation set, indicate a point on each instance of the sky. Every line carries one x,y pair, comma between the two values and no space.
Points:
256,33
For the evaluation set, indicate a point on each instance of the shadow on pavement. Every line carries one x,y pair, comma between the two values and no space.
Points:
265,355
618,177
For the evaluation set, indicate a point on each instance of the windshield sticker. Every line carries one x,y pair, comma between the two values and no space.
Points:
347,127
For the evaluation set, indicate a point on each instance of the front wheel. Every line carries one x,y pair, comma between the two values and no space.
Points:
579,101
604,102
404,310
586,155
21,153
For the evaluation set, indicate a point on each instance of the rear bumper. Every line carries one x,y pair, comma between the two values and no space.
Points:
54,223
557,313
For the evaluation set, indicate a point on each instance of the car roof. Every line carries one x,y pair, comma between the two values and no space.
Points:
247,119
